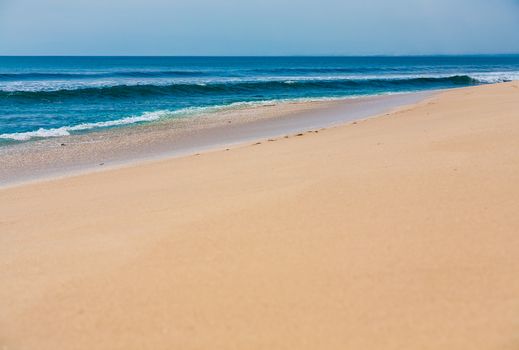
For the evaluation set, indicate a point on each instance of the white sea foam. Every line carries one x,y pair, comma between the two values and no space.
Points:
495,77
65,130
55,85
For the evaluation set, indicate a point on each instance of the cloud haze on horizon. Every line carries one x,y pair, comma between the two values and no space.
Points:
258,27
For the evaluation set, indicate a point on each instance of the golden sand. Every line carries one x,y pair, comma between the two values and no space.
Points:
397,232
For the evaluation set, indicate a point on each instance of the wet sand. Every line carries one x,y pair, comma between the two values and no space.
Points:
77,154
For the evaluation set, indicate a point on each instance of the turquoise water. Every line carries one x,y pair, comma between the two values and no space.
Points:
54,96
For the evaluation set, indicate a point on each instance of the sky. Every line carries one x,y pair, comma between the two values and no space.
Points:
258,27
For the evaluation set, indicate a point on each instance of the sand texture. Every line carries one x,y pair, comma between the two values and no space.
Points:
397,232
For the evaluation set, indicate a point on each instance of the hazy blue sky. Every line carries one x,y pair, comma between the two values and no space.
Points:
258,27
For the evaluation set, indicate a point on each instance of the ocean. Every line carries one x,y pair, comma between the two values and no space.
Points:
43,97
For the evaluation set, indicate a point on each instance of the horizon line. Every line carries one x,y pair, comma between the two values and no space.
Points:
280,56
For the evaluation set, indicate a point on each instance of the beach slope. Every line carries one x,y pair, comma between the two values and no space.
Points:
395,232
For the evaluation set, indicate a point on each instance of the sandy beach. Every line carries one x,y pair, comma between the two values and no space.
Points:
393,232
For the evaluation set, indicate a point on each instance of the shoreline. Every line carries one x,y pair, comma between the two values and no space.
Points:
78,154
